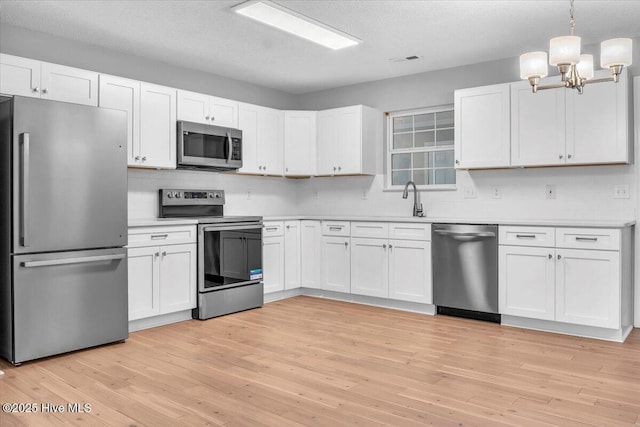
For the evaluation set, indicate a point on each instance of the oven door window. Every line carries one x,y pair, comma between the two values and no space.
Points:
205,146
232,257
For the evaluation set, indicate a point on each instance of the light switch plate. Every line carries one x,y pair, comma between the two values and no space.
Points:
470,192
550,192
621,191
496,192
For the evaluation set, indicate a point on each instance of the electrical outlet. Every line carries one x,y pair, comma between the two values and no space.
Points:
316,195
621,191
550,192
365,194
496,192
249,195
470,192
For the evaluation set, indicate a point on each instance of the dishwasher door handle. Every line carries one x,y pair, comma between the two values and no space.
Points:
455,234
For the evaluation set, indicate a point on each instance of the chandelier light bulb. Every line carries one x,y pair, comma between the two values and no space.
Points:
585,66
616,52
564,50
533,64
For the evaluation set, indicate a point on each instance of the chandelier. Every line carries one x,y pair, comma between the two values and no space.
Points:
576,70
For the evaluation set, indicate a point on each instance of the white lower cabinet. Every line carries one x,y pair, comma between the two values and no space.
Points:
162,270
273,256
410,275
336,264
310,254
564,284
369,267
291,254
162,280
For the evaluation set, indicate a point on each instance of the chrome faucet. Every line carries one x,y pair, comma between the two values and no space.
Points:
417,206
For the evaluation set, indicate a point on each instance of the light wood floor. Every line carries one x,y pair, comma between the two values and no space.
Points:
313,362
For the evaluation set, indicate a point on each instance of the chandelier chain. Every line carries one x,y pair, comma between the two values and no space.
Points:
572,21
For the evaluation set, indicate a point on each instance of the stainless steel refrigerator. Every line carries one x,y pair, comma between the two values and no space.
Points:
63,227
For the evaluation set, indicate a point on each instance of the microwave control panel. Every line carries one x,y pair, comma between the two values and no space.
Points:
236,149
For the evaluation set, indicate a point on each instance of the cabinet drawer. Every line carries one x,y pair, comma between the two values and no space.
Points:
409,231
370,229
588,238
527,236
336,228
154,236
273,228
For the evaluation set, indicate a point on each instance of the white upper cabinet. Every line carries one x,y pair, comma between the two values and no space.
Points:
210,110
27,77
299,143
348,139
537,125
157,126
262,139
124,94
482,127
598,122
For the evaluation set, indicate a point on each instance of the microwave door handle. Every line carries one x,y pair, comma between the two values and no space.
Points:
229,147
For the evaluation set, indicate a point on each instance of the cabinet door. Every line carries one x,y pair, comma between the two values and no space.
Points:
124,94
144,297
588,287
178,278
482,127
336,264
291,254
273,264
19,76
310,250
193,107
597,123
60,83
537,125
410,271
369,267
157,126
223,112
299,142
248,123
348,135
270,141
326,145
526,281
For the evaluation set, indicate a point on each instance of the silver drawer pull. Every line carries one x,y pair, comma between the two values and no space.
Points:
271,228
525,236
65,261
159,236
587,239
339,228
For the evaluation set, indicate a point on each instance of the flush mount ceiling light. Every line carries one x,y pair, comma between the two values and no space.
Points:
576,69
284,19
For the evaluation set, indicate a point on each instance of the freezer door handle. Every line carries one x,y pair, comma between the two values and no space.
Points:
24,189
64,261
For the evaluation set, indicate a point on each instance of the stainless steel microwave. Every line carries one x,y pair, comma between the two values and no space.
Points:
208,147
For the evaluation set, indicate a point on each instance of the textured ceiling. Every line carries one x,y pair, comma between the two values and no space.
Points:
206,35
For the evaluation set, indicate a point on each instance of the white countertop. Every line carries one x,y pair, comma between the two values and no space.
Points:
603,223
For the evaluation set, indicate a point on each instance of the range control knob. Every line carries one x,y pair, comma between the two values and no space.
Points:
170,195
178,195
218,195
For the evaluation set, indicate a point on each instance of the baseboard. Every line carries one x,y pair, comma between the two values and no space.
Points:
616,335
161,320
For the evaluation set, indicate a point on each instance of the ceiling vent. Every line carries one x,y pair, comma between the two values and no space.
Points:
405,58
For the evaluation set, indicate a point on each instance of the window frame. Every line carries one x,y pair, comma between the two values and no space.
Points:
389,148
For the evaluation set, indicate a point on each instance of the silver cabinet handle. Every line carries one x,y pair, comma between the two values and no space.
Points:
213,118
144,159
64,261
346,244
157,254
525,236
559,256
271,228
229,147
568,156
550,256
25,189
560,156
159,236
45,90
36,89
137,158
288,226
206,118
587,239
335,228
457,162
390,246
164,253
384,246
339,168
286,169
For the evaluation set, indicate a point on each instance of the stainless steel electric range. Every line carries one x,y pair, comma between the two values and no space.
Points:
229,251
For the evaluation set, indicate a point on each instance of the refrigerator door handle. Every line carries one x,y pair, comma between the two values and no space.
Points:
24,189
64,261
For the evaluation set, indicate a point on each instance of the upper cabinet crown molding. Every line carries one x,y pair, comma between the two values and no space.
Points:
37,79
206,109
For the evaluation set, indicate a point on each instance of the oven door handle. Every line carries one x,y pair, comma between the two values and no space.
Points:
230,227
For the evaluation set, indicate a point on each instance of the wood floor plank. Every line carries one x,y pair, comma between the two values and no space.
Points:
308,361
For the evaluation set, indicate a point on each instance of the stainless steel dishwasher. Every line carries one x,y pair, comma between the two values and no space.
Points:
465,270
